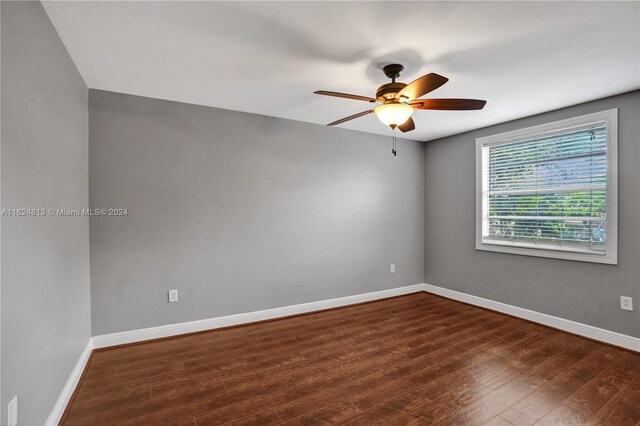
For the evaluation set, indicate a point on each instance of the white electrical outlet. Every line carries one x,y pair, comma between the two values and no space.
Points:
12,412
173,296
392,269
626,303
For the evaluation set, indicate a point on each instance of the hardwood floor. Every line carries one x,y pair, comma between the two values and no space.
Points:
416,359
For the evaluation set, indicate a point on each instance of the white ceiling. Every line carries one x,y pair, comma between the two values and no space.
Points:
268,57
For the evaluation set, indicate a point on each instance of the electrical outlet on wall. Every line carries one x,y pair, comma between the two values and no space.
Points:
12,412
626,303
173,296
392,268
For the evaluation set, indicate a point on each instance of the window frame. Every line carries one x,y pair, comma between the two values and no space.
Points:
610,256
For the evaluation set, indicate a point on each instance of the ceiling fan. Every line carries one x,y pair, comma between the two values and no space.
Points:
397,101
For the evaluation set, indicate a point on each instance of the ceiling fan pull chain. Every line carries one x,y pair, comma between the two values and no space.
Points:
393,149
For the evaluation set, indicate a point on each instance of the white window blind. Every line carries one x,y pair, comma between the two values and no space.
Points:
548,191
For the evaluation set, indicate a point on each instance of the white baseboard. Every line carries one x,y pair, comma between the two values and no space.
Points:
70,386
124,337
611,337
595,333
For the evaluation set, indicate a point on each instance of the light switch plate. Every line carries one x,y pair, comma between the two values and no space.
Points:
173,296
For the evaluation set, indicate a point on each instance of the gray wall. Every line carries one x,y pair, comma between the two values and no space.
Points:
242,212
45,260
579,291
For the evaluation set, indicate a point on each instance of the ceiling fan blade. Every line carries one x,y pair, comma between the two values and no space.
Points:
407,126
344,95
351,117
448,104
422,86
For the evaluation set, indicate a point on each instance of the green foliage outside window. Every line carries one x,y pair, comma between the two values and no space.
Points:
550,189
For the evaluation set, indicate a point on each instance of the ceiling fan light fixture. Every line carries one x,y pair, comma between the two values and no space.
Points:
394,114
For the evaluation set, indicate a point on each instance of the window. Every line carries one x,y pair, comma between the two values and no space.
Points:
550,190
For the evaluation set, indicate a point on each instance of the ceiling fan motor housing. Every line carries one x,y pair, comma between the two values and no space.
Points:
389,90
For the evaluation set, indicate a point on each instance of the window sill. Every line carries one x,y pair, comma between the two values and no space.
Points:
584,256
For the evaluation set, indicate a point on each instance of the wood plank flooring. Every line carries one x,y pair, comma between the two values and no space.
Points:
416,359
